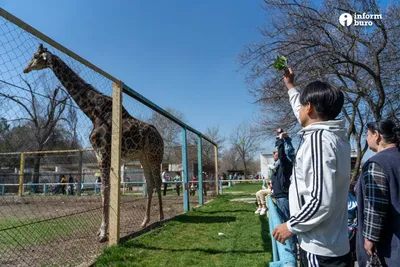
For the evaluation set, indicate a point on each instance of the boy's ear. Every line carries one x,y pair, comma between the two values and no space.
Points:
309,108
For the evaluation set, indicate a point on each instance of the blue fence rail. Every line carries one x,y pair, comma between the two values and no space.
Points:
282,254
47,188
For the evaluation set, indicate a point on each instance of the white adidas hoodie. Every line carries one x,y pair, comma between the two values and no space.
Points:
318,204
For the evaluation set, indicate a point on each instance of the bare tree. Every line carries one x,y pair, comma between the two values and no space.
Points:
208,154
169,130
246,143
230,160
41,119
363,62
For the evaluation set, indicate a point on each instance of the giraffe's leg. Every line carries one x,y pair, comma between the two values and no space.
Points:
149,188
148,204
104,164
157,182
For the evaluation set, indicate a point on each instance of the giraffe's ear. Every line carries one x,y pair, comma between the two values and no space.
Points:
45,56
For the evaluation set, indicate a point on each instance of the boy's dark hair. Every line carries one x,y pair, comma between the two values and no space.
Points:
325,99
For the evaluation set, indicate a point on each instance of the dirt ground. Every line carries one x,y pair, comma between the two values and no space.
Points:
79,218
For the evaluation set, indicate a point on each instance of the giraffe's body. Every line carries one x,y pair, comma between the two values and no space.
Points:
140,140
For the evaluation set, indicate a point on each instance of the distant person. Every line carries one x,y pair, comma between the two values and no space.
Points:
266,190
165,179
97,186
71,184
64,187
178,179
193,186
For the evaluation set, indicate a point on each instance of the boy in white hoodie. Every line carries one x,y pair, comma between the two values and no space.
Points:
321,177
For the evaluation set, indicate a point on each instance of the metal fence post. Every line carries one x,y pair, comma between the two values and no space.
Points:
79,186
216,169
200,168
186,206
21,174
115,173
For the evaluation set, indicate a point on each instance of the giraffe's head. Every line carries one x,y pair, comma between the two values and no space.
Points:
41,60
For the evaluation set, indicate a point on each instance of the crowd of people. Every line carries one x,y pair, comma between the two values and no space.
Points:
312,191
65,186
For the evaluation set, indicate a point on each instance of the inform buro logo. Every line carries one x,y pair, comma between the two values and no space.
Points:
357,19
345,19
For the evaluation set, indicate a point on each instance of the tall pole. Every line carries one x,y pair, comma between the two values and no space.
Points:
216,170
186,205
200,168
21,174
115,173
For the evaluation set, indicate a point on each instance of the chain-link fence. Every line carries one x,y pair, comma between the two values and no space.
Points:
51,179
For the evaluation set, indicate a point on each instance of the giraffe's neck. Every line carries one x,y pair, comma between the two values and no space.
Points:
93,103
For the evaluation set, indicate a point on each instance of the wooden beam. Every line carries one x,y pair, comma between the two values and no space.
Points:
115,173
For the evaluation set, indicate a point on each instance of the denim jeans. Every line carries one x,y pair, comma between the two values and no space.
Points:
282,204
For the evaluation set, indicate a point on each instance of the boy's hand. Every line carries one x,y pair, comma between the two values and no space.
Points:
283,135
282,233
288,77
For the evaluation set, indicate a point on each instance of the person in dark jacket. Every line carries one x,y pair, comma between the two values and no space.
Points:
378,190
281,182
281,178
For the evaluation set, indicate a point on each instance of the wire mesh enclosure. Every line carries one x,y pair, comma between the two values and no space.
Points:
53,154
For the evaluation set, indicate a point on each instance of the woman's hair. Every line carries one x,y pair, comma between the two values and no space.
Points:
388,129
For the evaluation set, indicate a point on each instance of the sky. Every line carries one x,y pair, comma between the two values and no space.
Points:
179,54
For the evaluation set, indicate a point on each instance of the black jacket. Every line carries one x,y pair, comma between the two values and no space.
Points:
281,177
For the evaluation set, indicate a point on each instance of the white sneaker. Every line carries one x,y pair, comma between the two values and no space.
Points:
258,211
263,210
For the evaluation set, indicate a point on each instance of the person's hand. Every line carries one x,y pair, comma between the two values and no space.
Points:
369,247
283,135
282,233
288,78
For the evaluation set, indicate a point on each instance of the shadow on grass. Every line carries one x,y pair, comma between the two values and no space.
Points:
265,235
220,211
204,219
209,251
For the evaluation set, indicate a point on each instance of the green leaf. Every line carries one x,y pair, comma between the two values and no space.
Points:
280,63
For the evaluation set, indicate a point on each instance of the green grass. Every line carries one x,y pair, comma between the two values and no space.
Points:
244,188
192,239
15,232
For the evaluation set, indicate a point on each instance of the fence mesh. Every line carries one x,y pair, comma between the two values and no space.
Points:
56,220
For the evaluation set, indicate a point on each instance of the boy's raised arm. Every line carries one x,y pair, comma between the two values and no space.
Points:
294,95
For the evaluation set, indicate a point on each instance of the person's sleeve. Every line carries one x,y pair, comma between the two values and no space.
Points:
294,98
281,150
321,175
376,201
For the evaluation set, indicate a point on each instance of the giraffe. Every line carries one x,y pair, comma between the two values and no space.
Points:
140,140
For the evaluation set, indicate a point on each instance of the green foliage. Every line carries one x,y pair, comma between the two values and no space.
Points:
192,239
280,63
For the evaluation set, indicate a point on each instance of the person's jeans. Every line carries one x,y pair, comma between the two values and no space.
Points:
282,204
165,189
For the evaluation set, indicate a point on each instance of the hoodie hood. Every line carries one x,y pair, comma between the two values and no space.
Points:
334,126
